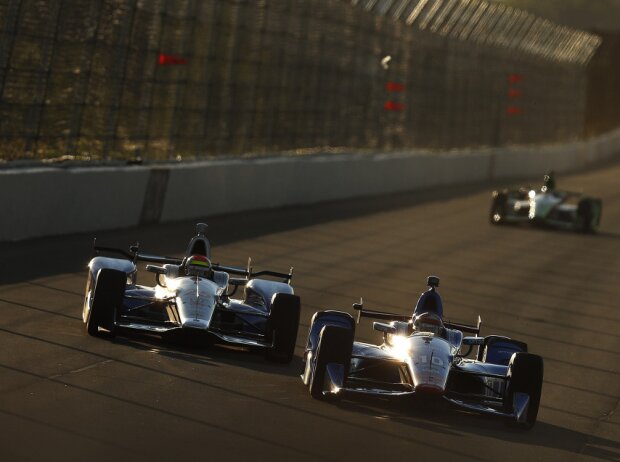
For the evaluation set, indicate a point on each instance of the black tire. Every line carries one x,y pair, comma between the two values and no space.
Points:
588,215
584,216
107,300
525,374
282,328
498,208
337,318
88,292
335,346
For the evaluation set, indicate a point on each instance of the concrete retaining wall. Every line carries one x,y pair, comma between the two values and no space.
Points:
51,201
235,185
47,201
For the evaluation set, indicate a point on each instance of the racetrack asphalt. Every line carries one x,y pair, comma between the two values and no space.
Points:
65,396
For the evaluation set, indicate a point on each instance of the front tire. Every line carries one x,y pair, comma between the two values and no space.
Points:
525,375
90,286
335,346
497,215
106,301
497,349
282,328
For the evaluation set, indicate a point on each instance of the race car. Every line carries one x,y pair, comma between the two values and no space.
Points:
192,296
548,207
423,357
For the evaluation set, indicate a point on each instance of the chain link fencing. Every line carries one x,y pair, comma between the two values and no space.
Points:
179,79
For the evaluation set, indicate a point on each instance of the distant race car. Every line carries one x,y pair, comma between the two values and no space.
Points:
548,207
423,358
192,296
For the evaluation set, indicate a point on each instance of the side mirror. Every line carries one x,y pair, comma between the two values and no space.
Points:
155,269
171,271
358,306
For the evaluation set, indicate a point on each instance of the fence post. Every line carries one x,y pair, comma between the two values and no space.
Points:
6,43
37,110
149,115
122,48
230,81
182,84
81,94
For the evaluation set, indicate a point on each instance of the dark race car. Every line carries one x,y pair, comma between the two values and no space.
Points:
547,207
423,357
192,296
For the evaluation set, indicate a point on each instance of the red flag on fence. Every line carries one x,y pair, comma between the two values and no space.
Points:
514,78
513,110
167,60
393,106
394,87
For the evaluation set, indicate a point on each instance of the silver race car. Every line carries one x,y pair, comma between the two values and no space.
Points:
548,207
425,358
192,296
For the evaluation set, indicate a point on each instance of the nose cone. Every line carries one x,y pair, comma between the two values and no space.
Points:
430,364
195,300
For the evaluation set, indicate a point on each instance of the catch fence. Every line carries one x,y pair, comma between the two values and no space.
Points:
170,79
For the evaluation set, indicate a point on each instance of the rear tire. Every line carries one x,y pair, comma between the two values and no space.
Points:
107,300
588,215
525,375
282,328
498,208
335,346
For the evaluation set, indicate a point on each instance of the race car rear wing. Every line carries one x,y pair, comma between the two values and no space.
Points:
465,327
364,313
135,256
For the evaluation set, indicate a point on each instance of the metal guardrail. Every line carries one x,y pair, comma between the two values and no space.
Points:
172,79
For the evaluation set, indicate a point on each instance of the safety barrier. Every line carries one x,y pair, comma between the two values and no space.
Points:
52,201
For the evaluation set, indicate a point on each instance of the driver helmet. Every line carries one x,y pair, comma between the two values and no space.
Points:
548,182
428,322
197,265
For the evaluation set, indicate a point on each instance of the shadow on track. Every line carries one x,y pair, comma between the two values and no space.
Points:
196,357
449,422
209,355
609,235
456,423
70,253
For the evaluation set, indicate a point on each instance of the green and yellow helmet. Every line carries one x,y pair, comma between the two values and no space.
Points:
197,265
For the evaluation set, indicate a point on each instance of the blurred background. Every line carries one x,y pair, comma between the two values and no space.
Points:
184,79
